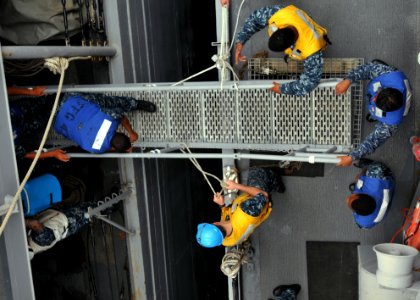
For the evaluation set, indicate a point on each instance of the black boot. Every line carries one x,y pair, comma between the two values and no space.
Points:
146,106
281,288
282,187
369,118
362,163
378,61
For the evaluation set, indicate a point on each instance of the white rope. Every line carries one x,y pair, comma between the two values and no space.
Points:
199,168
231,263
234,258
221,60
195,75
236,24
57,65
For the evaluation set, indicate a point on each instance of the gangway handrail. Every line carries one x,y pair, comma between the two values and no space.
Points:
310,157
167,86
39,52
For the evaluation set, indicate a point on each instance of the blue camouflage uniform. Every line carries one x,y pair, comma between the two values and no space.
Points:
382,131
263,179
313,65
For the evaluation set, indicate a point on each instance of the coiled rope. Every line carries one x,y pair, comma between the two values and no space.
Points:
234,258
57,65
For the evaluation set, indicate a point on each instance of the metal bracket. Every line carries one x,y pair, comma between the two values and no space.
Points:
106,203
5,207
164,150
230,173
218,44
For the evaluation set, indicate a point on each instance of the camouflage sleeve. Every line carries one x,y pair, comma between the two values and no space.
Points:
254,206
375,139
257,21
368,71
309,79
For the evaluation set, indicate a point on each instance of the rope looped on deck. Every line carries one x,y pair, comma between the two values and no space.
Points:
234,258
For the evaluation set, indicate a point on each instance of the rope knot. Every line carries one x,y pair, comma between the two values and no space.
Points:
220,61
57,65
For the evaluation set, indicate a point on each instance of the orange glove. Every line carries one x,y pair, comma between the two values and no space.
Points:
342,87
345,161
276,88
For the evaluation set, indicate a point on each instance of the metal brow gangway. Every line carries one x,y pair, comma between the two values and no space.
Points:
238,117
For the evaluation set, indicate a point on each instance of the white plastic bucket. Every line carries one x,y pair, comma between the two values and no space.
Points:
395,264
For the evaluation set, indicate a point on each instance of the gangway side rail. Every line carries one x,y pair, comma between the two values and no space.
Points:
38,52
304,157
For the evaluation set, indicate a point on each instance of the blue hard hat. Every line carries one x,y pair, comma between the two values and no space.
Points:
208,235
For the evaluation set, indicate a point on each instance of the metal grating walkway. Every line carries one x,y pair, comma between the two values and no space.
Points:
276,68
264,68
248,117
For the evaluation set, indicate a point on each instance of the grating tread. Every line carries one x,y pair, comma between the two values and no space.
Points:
263,68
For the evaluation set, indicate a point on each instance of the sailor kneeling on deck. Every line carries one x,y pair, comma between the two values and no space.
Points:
247,211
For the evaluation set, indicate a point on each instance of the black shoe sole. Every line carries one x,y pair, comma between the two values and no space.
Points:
146,106
378,61
278,290
363,162
278,173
